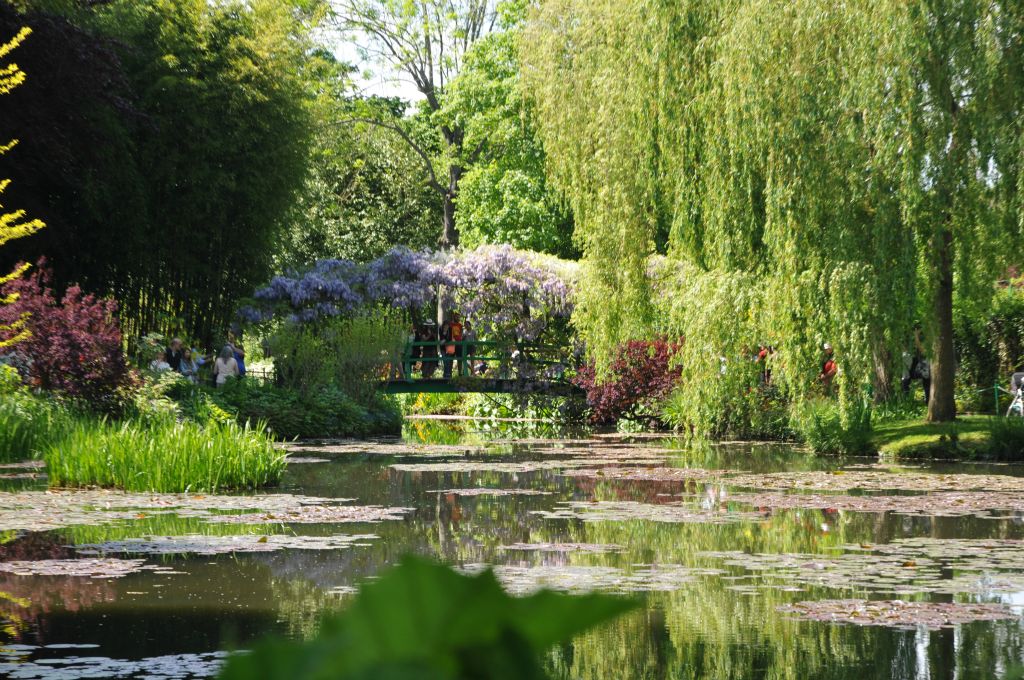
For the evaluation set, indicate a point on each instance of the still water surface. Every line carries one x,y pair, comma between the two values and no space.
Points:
707,615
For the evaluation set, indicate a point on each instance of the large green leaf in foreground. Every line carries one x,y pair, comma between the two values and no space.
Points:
422,620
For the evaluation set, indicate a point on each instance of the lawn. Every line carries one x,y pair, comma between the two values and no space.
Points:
970,436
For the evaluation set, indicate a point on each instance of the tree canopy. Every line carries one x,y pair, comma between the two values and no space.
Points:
165,143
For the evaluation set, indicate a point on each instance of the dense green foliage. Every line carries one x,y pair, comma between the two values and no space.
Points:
325,412
827,432
365,191
164,143
504,196
426,621
835,163
350,353
989,346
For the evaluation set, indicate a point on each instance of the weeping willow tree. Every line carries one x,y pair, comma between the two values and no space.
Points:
847,166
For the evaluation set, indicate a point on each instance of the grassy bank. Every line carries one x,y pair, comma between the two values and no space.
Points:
976,437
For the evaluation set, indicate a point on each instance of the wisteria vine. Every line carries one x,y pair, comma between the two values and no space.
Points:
502,291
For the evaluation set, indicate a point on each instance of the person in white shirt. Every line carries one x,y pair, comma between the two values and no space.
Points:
225,367
159,365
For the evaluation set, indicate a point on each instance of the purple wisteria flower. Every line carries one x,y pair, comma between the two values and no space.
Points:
503,292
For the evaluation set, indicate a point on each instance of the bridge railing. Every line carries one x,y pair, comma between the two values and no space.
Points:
486,358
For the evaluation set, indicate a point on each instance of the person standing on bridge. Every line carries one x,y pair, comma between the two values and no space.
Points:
451,333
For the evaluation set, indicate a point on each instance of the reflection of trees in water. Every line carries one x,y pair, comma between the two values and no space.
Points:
708,630
24,600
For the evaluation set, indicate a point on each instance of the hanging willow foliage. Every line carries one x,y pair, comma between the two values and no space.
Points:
853,163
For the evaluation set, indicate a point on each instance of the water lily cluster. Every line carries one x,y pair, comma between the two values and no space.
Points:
504,292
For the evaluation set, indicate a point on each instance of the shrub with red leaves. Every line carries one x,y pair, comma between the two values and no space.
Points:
75,345
640,377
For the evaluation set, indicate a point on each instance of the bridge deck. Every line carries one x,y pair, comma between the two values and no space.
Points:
507,369
489,385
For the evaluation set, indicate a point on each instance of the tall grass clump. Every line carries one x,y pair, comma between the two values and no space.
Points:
164,456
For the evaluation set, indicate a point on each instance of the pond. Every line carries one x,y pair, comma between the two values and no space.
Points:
755,561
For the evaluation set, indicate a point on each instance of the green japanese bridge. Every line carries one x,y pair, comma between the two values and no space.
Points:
482,366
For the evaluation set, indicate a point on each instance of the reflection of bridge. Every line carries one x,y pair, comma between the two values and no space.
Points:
482,366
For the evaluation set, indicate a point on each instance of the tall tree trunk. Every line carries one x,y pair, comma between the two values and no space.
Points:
450,232
941,405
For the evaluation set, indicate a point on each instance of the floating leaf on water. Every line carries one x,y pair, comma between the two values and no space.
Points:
222,545
46,510
658,474
877,481
905,566
516,467
623,511
897,613
522,580
316,514
478,491
936,504
24,465
563,547
93,568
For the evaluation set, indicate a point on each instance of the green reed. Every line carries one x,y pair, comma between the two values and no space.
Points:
163,456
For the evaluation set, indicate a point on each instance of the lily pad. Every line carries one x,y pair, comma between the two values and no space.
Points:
938,504
316,514
93,568
563,547
659,474
222,545
523,580
905,566
624,511
46,510
517,467
897,613
877,481
479,491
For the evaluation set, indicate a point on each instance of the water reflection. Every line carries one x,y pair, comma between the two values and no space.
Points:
718,620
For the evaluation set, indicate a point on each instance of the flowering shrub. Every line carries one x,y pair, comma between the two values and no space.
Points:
639,379
75,345
504,292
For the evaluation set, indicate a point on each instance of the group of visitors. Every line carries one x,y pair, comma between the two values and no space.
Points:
228,363
447,345
915,367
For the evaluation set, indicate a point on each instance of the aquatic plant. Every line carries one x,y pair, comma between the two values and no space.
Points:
166,456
